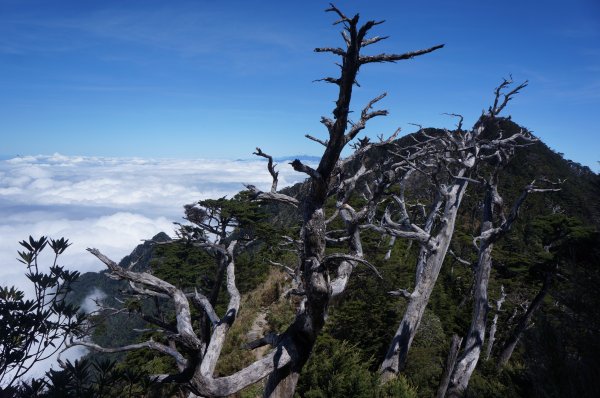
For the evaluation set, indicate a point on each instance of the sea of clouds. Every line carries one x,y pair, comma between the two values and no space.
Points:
108,203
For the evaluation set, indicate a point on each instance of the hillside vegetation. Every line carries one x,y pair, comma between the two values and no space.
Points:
557,355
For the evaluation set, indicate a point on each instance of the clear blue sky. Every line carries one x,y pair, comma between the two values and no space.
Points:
215,79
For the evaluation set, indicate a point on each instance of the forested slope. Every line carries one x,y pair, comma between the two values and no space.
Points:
554,245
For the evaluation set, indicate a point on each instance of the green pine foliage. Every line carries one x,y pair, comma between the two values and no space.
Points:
339,369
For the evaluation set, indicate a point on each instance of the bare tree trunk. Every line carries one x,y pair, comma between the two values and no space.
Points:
476,335
282,384
428,269
521,326
388,254
488,236
457,153
493,328
450,362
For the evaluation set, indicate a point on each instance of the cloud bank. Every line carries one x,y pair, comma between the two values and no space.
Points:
109,203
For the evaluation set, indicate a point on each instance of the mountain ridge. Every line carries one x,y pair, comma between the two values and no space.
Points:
512,266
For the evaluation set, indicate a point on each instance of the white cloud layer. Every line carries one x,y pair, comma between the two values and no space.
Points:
108,203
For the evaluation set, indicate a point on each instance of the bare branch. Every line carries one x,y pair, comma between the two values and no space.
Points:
348,257
346,38
287,269
397,57
182,308
400,293
460,259
148,292
204,303
270,167
333,216
531,188
336,51
362,32
343,18
301,167
365,148
328,80
423,239
365,116
257,194
181,361
460,119
495,109
341,239
373,40
322,142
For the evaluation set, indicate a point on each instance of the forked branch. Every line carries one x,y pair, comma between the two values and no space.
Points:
270,167
499,104
365,115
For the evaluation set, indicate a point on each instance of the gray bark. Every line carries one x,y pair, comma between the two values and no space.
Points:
450,362
492,204
388,254
494,326
476,334
318,287
428,269
522,324
457,152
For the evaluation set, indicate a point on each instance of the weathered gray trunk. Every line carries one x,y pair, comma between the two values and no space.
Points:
309,323
282,384
450,362
492,338
475,337
493,328
428,269
470,356
515,336
388,254
488,236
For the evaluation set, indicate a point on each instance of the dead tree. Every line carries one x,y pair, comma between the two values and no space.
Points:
495,224
446,159
557,239
494,326
322,276
315,265
450,362
524,322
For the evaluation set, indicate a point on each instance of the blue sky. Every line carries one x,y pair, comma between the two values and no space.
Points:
200,79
